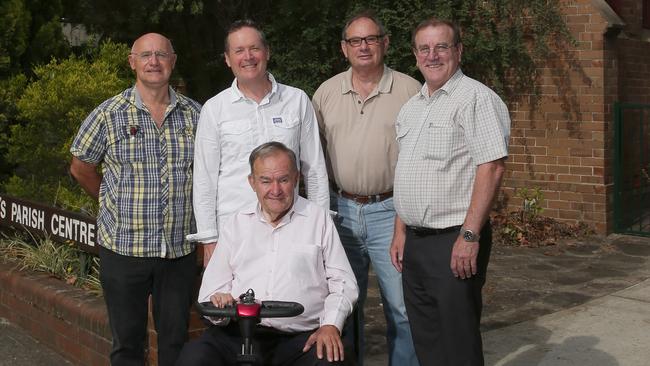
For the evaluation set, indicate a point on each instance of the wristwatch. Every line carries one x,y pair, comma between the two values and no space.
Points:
468,235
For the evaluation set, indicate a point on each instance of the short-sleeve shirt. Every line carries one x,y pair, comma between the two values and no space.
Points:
442,139
145,198
360,134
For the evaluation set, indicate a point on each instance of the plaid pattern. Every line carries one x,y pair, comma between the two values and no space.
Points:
442,139
145,199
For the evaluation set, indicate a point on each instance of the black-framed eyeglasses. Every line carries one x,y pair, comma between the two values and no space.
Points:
439,49
147,55
370,40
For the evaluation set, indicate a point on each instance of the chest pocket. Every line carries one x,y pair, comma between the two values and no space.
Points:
439,141
127,143
236,139
285,129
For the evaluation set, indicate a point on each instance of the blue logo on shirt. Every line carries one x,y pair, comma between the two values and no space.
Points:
277,120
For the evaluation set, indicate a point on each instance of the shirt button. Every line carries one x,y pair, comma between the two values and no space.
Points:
358,101
361,112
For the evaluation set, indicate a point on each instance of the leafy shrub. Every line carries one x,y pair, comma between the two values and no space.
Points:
63,261
527,227
50,111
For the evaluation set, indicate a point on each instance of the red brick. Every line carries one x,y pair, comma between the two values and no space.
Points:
569,214
577,170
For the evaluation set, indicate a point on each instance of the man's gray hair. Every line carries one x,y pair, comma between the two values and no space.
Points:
367,14
272,148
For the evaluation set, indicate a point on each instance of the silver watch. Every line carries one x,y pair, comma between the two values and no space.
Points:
468,235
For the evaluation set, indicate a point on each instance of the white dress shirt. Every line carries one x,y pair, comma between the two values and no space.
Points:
230,127
301,260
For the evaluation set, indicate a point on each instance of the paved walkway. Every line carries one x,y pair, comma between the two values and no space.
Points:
19,349
581,302
609,331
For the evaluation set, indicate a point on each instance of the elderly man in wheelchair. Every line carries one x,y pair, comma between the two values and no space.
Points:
285,248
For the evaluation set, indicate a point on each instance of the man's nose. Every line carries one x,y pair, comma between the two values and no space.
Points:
433,55
276,188
153,60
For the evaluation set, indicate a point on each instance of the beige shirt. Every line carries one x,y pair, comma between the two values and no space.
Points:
361,148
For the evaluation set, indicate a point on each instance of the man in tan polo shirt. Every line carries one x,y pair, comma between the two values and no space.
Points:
356,112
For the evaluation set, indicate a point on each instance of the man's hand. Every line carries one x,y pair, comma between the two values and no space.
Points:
222,300
208,249
397,252
327,337
463,258
397,245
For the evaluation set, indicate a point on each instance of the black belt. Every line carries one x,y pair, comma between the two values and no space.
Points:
427,231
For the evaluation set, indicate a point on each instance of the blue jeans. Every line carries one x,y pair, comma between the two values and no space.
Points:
366,231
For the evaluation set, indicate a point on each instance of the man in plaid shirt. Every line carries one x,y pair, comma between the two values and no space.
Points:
144,140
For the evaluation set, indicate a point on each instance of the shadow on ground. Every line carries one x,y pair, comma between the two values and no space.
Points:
526,283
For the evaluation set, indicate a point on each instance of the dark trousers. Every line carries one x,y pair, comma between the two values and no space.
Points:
219,346
444,311
127,283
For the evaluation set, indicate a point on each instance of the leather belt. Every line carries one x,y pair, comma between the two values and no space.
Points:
373,198
426,231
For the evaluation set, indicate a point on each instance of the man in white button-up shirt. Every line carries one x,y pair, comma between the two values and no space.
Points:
254,110
284,248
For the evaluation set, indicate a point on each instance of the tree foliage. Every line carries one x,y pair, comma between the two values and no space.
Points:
45,93
51,109
30,34
502,38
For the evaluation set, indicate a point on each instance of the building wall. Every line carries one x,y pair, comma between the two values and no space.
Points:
564,143
558,144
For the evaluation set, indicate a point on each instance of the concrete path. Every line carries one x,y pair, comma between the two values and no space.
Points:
608,331
19,349
580,303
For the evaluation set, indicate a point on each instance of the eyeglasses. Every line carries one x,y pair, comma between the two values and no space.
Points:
439,49
370,40
147,55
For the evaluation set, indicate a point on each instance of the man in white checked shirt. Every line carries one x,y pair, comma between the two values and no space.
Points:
453,140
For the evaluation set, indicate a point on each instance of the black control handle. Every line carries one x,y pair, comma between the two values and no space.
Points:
208,309
280,309
270,309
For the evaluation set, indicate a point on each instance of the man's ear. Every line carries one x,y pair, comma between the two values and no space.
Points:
251,180
344,49
132,61
225,56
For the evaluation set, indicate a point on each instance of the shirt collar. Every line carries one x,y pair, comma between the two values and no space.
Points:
385,84
299,207
237,95
135,98
447,88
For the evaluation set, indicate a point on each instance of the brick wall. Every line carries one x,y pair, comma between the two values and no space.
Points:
558,144
65,318
564,143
